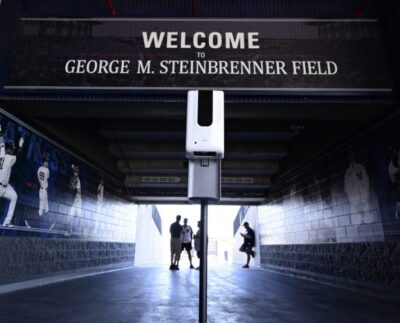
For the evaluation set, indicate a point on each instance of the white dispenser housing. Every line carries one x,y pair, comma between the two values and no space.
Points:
205,125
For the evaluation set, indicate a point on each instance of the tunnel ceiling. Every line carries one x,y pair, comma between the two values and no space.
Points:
143,142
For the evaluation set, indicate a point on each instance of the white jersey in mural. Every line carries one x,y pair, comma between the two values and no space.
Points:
356,183
7,161
76,207
356,187
100,196
6,190
43,175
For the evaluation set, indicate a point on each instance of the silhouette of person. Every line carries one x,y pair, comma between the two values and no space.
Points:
176,241
187,234
196,238
248,244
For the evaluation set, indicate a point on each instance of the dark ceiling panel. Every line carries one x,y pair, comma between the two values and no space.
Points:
203,8
301,109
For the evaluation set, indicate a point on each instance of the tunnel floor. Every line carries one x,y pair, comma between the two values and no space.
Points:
148,294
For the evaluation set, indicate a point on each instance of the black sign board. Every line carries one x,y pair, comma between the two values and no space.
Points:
264,55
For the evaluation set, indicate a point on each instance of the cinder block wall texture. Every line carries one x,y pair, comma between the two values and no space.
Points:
91,230
32,258
338,218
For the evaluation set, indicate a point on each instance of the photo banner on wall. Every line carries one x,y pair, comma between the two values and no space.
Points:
263,55
48,191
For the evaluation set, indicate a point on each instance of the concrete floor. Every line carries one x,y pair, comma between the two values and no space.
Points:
159,295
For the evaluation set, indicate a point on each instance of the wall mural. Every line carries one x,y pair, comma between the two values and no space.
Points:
357,186
351,235
350,196
394,175
46,191
8,157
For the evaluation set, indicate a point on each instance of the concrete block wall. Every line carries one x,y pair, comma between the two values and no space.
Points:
25,258
101,234
148,237
296,217
367,264
337,219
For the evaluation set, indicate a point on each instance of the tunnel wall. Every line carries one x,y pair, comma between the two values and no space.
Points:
148,236
338,218
92,231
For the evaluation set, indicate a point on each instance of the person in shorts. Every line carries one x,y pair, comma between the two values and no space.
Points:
187,235
176,240
248,244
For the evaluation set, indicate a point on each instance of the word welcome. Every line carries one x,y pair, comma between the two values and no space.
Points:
200,40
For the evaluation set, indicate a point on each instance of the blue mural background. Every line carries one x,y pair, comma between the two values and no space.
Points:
382,146
112,220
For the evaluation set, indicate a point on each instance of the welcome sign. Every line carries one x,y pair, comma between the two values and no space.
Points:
266,55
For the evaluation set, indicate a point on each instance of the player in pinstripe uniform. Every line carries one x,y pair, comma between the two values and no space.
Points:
8,157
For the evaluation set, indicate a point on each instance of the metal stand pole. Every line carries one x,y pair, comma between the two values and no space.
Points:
203,263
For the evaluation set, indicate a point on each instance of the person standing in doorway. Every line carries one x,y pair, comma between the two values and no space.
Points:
196,238
248,244
187,234
176,241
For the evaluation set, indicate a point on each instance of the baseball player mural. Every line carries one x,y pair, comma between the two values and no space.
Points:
356,186
75,185
100,196
394,175
43,175
8,157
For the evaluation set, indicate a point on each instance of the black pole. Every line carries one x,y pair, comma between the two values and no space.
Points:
203,263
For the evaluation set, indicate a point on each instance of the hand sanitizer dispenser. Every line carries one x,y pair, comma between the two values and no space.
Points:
205,125
205,144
